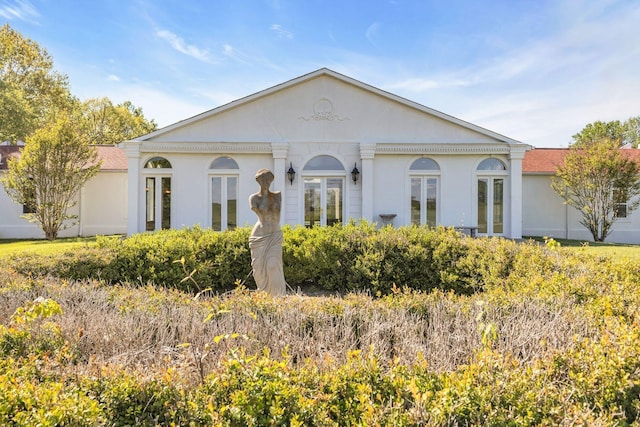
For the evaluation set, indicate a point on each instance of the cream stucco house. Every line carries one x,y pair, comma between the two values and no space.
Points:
340,149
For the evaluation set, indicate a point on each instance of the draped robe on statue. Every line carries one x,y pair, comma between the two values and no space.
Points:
266,261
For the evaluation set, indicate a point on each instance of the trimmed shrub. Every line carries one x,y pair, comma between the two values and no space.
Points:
353,257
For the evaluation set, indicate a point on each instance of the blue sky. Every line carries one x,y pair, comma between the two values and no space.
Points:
537,71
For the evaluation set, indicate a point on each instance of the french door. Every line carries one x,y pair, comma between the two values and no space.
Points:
158,203
323,201
491,205
424,198
224,202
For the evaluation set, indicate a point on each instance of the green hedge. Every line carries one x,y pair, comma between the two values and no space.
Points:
353,257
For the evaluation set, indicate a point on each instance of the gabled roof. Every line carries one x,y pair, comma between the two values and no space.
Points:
546,160
345,79
113,158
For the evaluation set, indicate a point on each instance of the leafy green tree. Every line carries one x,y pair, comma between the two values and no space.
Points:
632,131
106,123
29,87
615,131
598,131
588,179
54,165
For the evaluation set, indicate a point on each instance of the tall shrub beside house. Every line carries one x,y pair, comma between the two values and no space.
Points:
54,165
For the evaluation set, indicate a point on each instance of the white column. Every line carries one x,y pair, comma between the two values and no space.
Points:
515,172
367,153
279,151
132,150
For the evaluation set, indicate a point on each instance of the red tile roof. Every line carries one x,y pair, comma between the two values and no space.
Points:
545,160
113,158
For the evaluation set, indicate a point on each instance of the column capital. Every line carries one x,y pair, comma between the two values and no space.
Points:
517,152
131,148
279,150
367,151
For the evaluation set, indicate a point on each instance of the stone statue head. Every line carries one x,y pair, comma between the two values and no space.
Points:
264,176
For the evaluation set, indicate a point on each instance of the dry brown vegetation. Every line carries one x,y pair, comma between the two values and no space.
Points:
149,328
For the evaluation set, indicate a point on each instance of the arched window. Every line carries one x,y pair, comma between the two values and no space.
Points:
224,163
424,174
323,163
424,164
491,175
157,188
491,164
157,163
223,179
323,180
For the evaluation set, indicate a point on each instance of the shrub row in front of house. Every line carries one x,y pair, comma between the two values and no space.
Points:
353,257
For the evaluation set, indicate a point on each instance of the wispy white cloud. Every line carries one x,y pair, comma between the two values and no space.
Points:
181,46
18,9
371,32
281,32
113,78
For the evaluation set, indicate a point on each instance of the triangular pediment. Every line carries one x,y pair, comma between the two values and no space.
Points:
324,106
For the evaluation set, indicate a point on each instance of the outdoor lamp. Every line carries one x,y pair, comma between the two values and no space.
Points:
291,174
355,174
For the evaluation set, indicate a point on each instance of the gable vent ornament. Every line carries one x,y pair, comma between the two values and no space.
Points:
323,110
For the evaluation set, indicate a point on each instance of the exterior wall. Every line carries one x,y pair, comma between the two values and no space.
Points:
103,205
11,225
457,202
390,192
545,214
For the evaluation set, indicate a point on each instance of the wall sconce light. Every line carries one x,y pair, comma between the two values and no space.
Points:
355,174
291,174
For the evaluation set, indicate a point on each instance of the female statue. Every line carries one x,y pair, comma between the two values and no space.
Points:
266,237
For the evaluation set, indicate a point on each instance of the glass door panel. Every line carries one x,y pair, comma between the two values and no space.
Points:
232,202
498,205
150,210
312,202
482,205
416,197
334,201
166,203
216,203
431,205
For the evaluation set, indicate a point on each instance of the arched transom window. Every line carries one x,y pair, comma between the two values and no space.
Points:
157,163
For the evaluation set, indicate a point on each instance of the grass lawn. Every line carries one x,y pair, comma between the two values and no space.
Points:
614,250
8,247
